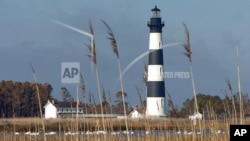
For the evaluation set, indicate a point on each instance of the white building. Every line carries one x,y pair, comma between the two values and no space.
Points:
50,110
61,109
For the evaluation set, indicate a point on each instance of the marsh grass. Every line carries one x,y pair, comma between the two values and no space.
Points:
239,85
62,126
114,46
93,57
188,54
39,100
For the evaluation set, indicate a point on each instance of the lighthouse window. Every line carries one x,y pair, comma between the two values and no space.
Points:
160,45
156,14
162,103
161,71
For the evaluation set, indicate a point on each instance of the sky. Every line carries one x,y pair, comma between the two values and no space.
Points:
28,35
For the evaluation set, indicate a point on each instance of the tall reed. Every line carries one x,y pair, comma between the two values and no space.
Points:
188,54
140,97
239,86
92,57
39,100
229,85
114,45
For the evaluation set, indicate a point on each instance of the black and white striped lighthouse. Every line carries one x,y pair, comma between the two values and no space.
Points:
155,83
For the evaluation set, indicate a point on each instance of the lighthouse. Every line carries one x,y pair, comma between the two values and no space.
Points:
155,82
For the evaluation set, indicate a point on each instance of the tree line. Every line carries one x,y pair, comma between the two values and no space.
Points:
212,106
90,105
19,99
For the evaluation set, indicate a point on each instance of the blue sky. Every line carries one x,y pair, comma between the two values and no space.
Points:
27,35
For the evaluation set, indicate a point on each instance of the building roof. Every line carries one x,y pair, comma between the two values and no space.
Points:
62,104
47,104
155,9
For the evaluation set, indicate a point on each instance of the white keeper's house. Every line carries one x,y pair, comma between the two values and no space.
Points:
61,109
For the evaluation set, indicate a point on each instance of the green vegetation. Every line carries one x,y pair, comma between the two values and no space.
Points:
19,99
220,107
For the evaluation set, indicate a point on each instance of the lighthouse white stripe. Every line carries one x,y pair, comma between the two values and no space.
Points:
155,73
155,106
155,41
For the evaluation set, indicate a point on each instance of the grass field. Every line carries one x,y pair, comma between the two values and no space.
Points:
33,124
69,125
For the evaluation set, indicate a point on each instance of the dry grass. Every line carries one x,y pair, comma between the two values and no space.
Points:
118,138
90,123
23,124
61,126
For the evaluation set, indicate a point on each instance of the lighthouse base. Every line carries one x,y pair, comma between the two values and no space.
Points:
155,106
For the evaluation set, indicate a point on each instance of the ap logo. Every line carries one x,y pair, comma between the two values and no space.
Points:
239,132
70,72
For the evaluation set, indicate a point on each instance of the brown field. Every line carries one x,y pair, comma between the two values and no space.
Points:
34,124
112,124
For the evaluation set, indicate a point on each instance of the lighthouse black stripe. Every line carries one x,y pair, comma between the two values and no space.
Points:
155,25
156,89
155,57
